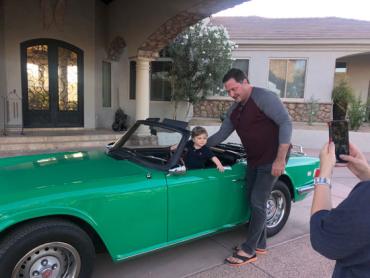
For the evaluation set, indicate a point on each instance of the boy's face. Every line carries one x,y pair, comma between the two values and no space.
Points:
200,140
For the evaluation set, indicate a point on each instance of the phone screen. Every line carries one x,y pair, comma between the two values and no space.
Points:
338,133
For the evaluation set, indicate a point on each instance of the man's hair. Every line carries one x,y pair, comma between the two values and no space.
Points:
198,130
237,74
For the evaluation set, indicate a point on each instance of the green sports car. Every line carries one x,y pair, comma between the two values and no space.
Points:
57,210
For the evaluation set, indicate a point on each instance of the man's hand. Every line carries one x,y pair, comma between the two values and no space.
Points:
278,167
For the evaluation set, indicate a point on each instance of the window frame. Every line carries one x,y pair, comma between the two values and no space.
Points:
242,58
287,99
132,77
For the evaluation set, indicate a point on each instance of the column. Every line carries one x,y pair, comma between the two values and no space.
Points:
142,88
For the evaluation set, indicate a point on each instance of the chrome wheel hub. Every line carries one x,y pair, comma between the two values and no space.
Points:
275,208
50,260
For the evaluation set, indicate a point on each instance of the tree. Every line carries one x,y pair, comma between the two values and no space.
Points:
201,56
342,95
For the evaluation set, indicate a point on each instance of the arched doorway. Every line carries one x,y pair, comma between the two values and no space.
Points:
52,84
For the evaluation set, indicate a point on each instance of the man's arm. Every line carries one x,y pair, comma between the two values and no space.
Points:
225,130
279,163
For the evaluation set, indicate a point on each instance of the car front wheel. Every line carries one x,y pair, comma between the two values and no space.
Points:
47,248
277,208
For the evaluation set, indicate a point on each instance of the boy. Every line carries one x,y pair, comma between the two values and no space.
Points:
196,151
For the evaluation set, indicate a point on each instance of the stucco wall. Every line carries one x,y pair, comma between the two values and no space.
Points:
319,80
320,68
2,66
23,21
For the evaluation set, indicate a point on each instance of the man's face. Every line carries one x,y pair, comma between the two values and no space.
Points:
236,90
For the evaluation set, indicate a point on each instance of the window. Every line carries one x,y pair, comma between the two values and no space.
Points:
287,77
340,67
242,64
132,80
106,84
160,84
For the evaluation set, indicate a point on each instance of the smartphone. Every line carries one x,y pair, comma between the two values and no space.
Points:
338,133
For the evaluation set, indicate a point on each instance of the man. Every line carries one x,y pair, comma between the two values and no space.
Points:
264,127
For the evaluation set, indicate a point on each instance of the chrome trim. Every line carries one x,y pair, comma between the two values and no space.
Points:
298,149
305,189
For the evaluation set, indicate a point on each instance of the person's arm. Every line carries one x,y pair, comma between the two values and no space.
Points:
218,163
322,194
342,232
278,166
225,130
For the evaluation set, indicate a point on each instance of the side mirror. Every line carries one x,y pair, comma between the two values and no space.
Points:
178,170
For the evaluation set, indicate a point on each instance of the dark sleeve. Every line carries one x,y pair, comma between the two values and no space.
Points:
344,230
207,152
271,105
225,130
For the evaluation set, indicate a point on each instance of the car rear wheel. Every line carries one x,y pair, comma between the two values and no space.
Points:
47,248
277,208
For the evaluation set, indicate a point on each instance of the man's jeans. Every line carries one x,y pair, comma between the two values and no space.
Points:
259,186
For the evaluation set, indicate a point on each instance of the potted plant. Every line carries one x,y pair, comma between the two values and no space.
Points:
342,96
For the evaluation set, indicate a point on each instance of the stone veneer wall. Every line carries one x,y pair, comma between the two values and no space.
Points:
212,108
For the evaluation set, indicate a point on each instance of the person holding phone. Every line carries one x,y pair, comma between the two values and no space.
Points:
342,233
265,129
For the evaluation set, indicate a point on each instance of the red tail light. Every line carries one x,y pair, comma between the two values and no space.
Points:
316,172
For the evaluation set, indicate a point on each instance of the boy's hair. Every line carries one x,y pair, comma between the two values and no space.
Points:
237,74
198,130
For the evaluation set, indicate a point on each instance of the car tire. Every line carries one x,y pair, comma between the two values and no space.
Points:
277,208
48,247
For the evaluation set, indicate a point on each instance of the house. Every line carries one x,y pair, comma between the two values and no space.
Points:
67,63
300,59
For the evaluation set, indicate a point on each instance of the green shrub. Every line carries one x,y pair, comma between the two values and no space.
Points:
342,96
356,114
312,107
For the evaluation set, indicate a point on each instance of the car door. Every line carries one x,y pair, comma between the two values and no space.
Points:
204,200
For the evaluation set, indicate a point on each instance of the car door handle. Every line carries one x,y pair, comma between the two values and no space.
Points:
236,180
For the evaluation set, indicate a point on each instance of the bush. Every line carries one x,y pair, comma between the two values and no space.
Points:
342,96
312,107
356,114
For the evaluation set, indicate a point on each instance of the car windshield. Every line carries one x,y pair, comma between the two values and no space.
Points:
149,144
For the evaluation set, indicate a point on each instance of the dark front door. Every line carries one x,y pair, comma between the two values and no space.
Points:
52,84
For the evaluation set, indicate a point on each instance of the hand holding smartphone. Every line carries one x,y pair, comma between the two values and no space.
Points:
338,133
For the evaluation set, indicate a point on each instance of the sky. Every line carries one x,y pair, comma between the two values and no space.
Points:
355,9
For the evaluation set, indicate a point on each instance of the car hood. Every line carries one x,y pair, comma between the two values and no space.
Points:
24,173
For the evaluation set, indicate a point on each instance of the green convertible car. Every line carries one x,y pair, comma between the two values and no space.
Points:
57,210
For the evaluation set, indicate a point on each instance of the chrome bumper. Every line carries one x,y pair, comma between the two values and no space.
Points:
305,189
